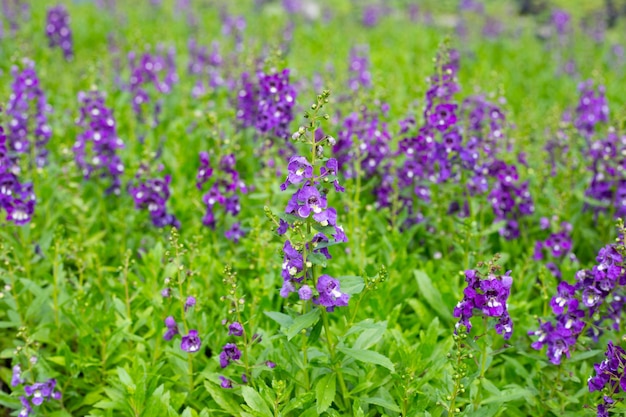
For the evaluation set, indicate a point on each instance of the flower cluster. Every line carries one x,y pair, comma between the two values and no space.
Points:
363,139
359,68
152,194
234,26
206,67
446,150
592,108
558,246
95,149
224,191
509,198
610,375
487,295
596,291
36,393
17,199
27,115
189,343
14,12
608,184
157,70
267,104
58,30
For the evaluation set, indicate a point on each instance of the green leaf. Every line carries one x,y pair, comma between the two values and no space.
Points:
301,401
222,399
283,319
493,228
303,322
432,295
368,356
316,259
125,378
351,285
254,401
389,404
325,391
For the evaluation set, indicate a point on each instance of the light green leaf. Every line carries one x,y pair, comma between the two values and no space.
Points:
432,295
125,378
351,285
254,401
283,319
325,392
368,356
303,322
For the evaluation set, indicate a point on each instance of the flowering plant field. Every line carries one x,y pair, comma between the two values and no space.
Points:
312,208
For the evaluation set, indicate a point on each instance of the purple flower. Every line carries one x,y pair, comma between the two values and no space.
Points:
565,293
190,302
152,195
204,171
305,292
191,342
268,105
229,353
235,233
298,170
293,263
330,295
443,117
41,391
270,364
225,382
16,376
172,328
310,201
26,408
235,329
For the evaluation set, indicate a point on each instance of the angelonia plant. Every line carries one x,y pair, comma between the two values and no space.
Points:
308,221
26,368
486,295
178,301
609,378
23,146
237,355
323,252
588,307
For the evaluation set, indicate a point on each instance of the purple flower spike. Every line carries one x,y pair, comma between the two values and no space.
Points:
58,30
489,296
191,342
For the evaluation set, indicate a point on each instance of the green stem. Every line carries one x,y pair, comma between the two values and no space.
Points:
331,349
55,290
